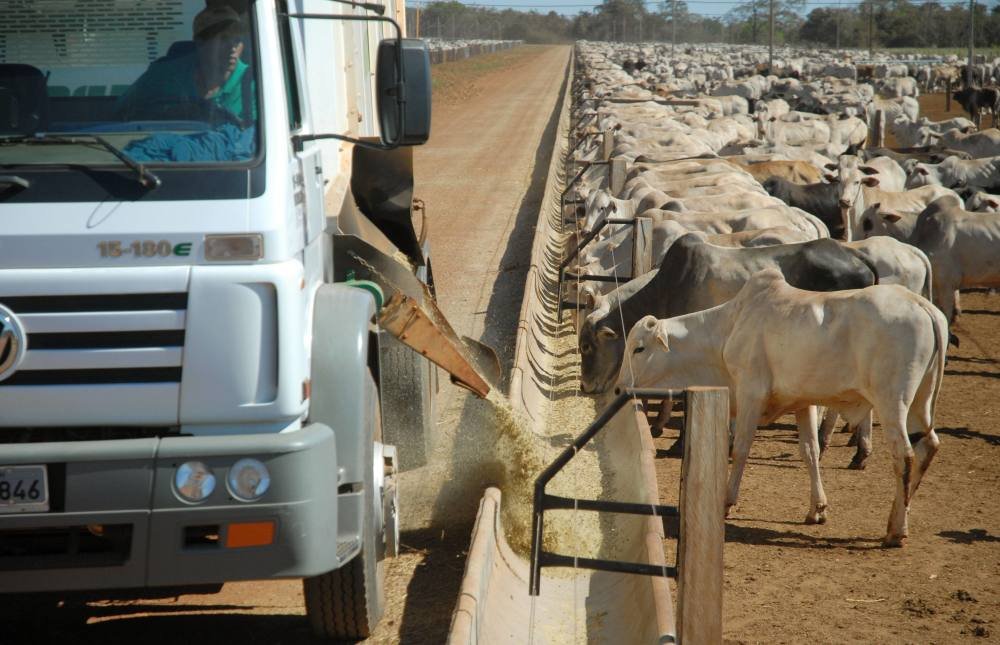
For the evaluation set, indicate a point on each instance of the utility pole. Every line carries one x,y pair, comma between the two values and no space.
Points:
871,17
640,27
770,37
673,26
838,24
972,42
417,23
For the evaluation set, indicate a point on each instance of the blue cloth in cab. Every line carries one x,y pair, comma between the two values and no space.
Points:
225,143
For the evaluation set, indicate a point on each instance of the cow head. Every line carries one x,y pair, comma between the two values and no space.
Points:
646,343
850,192
601,349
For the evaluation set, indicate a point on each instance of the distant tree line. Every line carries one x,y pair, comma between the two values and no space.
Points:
852,23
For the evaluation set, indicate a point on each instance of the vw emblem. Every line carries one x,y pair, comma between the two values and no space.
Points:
13,343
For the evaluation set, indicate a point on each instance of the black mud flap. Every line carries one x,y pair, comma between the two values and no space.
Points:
382,184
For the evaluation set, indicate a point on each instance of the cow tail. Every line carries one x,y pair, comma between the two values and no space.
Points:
926,292
941,346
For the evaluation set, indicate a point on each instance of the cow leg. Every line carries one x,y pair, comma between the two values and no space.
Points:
893,425
747,416
920,425
826,428
863,434
809,449
661,419
923,453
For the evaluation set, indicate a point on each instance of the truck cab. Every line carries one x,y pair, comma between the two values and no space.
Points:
197,198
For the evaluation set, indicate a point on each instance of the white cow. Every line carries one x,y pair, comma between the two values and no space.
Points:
896,263
963,248
773,345
953,171
870,211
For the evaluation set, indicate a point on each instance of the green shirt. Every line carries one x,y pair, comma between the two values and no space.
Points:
173,79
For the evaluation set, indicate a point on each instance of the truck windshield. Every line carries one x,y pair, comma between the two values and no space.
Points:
163,81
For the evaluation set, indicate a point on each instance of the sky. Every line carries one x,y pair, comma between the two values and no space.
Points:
572,7
713,8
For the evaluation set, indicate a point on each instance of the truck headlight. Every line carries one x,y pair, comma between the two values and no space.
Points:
248,480
193,482
234,248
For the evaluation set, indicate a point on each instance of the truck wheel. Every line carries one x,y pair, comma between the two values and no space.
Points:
347,603
409,389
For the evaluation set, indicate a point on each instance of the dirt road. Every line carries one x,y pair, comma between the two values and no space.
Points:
481,176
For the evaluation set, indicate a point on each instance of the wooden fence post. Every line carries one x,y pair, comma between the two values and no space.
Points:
702,521
642,246
616,174
608,145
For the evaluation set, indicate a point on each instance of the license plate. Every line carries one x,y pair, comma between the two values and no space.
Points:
24,489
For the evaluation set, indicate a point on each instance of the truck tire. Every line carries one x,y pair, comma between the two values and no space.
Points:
409,389
347,603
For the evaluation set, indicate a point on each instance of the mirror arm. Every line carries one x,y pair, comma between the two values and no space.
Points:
299,139
401,81
377,8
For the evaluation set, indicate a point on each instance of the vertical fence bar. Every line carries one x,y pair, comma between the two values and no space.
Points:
702,521
607,144
642,246
616,176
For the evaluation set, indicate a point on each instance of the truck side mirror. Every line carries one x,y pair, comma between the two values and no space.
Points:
403,90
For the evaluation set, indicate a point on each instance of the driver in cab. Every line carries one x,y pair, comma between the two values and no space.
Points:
212,72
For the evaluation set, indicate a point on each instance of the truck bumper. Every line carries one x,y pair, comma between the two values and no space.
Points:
116,522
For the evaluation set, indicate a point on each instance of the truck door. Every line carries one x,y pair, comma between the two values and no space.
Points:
307,172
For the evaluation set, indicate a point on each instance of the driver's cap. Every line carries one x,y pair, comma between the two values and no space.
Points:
214,21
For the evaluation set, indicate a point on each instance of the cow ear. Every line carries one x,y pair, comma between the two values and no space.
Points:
920,170
892,218
992,203
871,182
868,170
831,166
606,333
661,337
830,178
613,208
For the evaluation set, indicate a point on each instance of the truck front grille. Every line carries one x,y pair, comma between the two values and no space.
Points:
65,547
100,339
14,435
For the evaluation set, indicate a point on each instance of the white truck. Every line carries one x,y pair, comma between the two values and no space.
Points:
208,254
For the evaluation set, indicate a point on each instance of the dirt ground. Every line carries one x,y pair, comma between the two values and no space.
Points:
482,178
788,582
933,106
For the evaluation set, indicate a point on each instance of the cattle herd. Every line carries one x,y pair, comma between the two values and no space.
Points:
787,258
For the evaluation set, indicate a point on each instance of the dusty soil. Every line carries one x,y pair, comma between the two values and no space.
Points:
788,582
934,107
482,178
